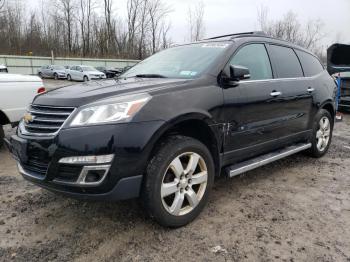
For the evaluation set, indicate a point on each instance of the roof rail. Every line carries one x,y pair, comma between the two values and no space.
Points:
257,33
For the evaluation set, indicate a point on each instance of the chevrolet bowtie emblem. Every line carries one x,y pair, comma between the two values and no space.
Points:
28,118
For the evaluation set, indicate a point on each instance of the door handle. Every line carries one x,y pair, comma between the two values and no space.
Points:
275,93
310,89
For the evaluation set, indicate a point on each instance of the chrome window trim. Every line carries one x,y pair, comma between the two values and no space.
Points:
280,79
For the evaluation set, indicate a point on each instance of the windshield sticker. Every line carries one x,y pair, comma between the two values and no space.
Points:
215,45
188,73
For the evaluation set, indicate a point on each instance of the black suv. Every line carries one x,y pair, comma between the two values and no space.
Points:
164,129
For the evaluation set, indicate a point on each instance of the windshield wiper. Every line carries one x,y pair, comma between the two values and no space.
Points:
150,76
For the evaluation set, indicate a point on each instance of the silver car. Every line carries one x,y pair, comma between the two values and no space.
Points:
52,71
84,73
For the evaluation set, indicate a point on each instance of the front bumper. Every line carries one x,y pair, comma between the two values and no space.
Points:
62,76
93,77
38,159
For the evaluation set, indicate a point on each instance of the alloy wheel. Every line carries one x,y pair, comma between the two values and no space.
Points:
323,133
184,183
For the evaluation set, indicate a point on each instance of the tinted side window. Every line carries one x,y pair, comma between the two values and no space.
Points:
311,64
255,58
286,62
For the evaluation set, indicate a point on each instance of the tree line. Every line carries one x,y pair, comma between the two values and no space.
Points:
79,28
92,28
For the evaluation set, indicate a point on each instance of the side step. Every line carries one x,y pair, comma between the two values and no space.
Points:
262,160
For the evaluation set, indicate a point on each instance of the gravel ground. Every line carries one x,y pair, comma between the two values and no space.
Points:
296,209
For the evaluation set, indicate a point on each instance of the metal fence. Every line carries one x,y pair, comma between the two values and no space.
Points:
30,64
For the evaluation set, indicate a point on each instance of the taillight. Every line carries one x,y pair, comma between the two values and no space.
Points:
41,90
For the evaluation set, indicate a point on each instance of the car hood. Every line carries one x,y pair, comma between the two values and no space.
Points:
60,71
338,58
88,92
19,78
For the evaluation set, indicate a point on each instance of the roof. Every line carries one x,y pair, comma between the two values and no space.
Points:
2,67
257,35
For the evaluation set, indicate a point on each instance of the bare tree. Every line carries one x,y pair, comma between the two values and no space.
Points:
157,13
108,15
290,29
86,8
68,8
2,4
196,21
166,42
75,28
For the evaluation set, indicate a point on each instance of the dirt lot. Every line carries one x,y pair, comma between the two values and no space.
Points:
296,209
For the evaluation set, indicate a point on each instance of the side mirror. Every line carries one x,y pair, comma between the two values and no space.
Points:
238,73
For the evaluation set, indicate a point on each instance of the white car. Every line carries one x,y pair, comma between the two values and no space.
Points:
84,73
17,92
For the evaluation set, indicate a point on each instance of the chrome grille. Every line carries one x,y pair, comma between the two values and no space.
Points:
47,120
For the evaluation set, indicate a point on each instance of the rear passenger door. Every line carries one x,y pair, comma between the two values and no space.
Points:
296,92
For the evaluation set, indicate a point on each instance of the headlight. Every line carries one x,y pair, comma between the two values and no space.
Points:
107,111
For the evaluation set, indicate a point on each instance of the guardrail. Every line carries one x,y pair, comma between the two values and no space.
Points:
30,64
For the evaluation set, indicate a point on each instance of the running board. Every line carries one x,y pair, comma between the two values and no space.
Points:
262,160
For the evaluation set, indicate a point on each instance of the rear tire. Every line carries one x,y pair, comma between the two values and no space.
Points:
2,136
321,134
40,75
173,193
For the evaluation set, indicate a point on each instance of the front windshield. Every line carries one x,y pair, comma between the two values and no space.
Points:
88,68
58,67
186,61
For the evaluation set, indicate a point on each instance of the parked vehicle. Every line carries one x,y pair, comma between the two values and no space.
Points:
84,73
338,64
126,68
52,71
3,69
13,107
110,72
173,122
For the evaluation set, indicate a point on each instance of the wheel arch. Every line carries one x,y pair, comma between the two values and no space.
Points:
195,125
329,106
4,120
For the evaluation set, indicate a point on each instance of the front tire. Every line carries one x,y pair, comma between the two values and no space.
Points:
178,181
55,76
69,78
321,134
85,79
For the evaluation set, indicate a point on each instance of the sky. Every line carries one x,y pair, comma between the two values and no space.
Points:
232,16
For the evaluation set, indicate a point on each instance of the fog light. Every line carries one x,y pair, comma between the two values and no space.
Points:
87,159
94,176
